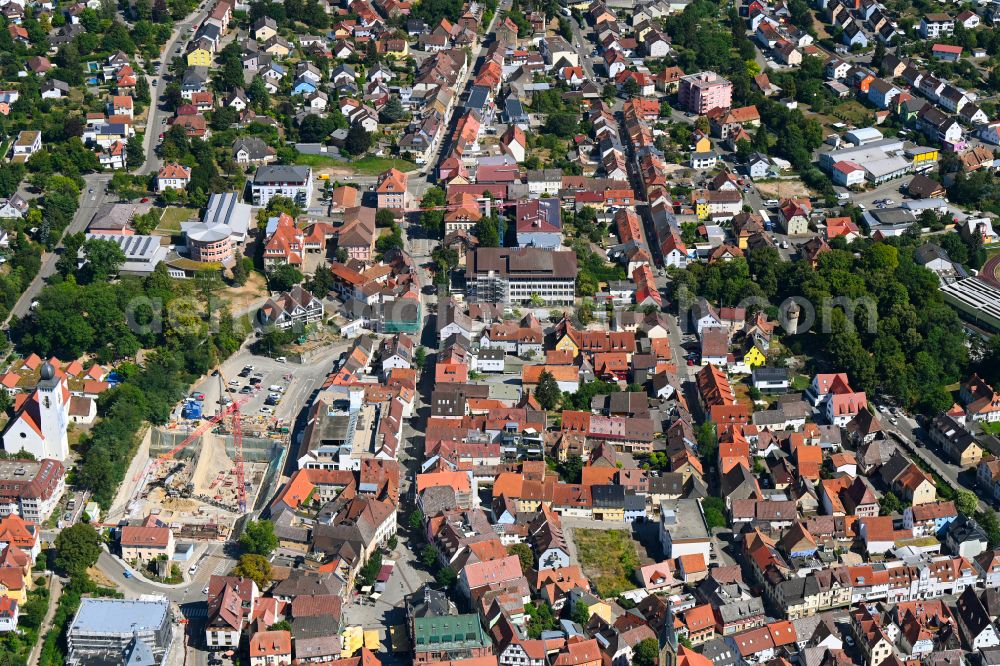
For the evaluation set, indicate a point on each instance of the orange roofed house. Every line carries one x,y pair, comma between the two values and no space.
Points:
285,244
391,191
147,542
269,648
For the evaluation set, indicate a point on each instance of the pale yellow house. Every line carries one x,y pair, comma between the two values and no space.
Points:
147,542
199,58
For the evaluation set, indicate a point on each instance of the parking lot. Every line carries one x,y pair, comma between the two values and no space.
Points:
292,384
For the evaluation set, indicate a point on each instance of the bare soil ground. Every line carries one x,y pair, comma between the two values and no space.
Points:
212,460
784,189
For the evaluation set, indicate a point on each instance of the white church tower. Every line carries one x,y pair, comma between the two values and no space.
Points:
41,418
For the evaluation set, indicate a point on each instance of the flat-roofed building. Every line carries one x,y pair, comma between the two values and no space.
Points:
103,629
516,275
142,253
294,182
977,301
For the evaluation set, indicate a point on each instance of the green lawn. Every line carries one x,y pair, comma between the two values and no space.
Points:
373,166
366,166
608,558
170,220
318,161
852,112
800,382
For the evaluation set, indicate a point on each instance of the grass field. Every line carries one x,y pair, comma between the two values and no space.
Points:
608,558
318,161
170,220
990,428
800,382
853,112
368,166
373,166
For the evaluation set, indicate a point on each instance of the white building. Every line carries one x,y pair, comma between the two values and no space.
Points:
173,176
294,182
40,420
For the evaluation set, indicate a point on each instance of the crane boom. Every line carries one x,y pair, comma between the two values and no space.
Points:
241,489
207,425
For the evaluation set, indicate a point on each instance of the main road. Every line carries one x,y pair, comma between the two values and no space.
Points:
92,198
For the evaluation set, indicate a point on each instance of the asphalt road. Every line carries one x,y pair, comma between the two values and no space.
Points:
211,561
89,203
157,114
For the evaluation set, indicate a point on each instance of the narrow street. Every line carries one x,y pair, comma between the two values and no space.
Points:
55,591
156,120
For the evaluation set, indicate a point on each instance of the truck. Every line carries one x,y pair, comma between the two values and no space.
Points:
768,224
191,410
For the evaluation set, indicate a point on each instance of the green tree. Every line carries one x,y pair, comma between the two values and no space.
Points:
647,652
889,504
415,521
540,619
241,271
369,571
715,518
315,128
581,614
255,567
77,549
445,577
524,554
420,357
393,111
384,218
282,625
358,140
487,231
562,125
988,521
322,281
135,153
257,92
432,211
966,502
258,537
547,392
571,470
104,258
708,439
284,277
429,556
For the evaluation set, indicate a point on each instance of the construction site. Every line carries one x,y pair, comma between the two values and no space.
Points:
195,471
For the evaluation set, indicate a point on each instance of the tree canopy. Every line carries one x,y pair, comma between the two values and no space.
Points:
258,537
